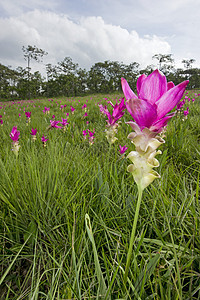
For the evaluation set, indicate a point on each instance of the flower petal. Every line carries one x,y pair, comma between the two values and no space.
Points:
139,83
142,112
170,85
158,126
153,87
128,93
170,99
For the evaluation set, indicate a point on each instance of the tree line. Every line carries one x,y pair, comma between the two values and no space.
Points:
66,78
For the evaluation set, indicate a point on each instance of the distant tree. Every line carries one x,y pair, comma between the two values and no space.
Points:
188,63
164,60
189,70
32,52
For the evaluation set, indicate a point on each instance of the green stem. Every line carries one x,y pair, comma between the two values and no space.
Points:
140,190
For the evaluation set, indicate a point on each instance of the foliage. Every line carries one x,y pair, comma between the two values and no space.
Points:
68,79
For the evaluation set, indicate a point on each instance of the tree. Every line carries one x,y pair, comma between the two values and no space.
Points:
188,63
32,52
163,60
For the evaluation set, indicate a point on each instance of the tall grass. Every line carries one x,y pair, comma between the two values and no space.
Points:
45,194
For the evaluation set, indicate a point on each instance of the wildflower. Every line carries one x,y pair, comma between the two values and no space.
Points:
64,124
46,110
28,117
85,115
44,140
186,112
156,98
122,149
113,118
91,136
33,133
72,109
54,124
84,134
1,121
14,135
150,110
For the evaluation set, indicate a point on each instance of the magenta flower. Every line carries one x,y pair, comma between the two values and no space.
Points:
46,110
85,133
33,131
84,106
117,112
122,149
156,98
28,114
14,135
1,121
72,109
186,112
44,139
54,124
64,122
91,136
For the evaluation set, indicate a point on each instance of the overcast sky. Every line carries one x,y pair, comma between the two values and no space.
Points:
91,31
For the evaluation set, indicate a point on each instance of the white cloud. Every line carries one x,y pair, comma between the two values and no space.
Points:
89,41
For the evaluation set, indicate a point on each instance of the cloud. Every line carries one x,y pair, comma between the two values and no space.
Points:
88,41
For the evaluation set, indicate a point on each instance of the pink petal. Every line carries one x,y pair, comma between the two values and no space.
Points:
153,87
142,112
139,82
157,126
128,93
170,85
170,99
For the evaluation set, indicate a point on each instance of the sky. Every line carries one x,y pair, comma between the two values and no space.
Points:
91,31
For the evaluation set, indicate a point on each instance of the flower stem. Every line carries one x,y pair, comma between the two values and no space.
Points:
140,190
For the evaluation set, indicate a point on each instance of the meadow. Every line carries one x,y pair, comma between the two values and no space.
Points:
67,206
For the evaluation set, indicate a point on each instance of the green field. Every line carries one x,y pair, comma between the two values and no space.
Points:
46,192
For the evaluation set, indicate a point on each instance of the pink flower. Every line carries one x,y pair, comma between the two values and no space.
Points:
1,121
156,98
64,122
14,135
33,131
122,149
72,109
54,124
85,133
186,112
28,114
46,110
44,139
91,136
117,112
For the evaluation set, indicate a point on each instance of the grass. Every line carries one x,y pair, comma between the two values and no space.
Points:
46,193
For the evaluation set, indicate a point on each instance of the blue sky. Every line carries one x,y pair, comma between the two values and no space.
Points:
90,31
